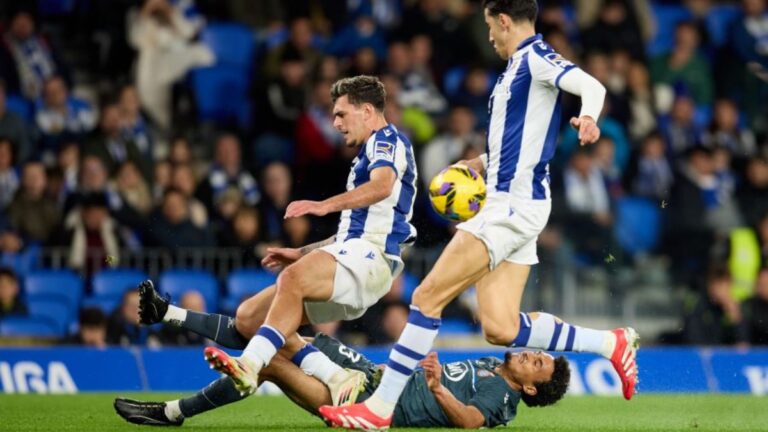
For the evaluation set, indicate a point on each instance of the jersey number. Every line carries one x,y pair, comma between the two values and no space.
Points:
348,353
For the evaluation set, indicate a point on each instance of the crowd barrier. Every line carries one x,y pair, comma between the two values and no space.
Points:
74,369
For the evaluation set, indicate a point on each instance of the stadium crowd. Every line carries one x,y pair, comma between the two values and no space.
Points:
104,146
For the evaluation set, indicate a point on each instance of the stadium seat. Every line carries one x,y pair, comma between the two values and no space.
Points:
114,283
220,93
63,283
20,106
719,20
27,327
245,283
177,282
638,225
54,309
107,304
23,262
55,7
233,44
667,18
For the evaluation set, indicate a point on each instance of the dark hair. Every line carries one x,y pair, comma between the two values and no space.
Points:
518,10
92,317
9,273
359,90
549,392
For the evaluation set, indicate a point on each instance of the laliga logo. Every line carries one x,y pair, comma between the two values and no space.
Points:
455,371
27,376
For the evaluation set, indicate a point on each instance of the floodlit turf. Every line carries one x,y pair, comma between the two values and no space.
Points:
94,412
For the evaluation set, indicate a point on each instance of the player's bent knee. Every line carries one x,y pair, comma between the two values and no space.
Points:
246,322
498,334
289,281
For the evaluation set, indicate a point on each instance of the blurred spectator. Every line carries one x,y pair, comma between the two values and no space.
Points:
163,34
642,120
162,179
393,321
60,117
10,302
713,315
91,235
680,130
172,335
615,24
361,32
754,323
417,88
123,326
13,128
589,213
132,124
183,179
32,213
133,189
92,329
27,59
600,66
434,19
296,231
299,39
753,191
685,65
449,146
55,188
244,232
649,173
762,236
604,153
750,34
226,206
316,138
227,171
364,62
277,182
9,176
172,228
68,161
474,93
724,131
609,128
328,70
414,121
111,146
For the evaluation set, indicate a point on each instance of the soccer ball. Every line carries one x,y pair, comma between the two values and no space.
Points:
457,193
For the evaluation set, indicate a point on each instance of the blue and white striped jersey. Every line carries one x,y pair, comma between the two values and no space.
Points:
387,223
525,121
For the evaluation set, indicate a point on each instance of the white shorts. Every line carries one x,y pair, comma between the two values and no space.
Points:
509,227
363,276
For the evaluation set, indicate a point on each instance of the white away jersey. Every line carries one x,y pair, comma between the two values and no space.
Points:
524,121
386,223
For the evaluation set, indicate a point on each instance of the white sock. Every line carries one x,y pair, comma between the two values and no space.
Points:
549,333
414,344
175,315
172,410
316,363
263,346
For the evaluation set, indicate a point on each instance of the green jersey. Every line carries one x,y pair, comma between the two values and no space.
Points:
472,382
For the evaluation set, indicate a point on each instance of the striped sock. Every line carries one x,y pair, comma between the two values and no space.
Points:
549,333
414,344
264,345
315,363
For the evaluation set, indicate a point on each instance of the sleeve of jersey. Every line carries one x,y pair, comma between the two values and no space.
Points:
382,153
491,399
548,66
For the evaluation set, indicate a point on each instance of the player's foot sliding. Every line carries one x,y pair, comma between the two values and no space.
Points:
356,416
145,413
152,306
345,386
624,361
237,368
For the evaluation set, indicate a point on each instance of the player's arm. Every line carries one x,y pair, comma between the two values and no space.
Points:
478,164
379,187
459,414
278,258
592,93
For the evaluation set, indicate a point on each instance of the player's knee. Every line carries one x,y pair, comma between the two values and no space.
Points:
289,281
497,333
246,322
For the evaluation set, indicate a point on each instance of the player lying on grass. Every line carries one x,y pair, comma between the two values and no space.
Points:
465,394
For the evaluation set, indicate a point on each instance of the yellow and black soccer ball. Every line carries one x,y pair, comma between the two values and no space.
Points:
457,193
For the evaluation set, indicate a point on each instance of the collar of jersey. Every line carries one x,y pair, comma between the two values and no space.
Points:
528,41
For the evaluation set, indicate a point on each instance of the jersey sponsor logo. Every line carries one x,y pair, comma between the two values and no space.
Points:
455,371
384,150
348,353
482,373
557,60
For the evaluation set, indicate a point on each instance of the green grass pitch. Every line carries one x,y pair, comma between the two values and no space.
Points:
94,412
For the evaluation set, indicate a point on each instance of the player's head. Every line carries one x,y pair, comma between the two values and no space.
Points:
506,19
543,378
357,102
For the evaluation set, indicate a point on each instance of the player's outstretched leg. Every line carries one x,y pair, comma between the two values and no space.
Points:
548,332
154,308
145,413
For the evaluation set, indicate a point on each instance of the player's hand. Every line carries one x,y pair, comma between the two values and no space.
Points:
432,371
301,208
280,258
589,133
